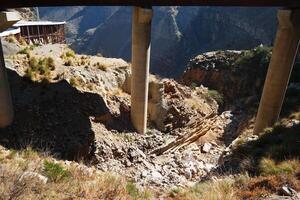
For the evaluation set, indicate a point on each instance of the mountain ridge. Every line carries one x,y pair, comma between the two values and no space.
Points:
178,33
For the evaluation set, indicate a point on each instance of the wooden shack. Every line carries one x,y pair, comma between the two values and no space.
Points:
45,32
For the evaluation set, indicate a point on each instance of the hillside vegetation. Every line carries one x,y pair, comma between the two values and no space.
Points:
72,137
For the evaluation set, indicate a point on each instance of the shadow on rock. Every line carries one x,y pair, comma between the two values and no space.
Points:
52,117
279,144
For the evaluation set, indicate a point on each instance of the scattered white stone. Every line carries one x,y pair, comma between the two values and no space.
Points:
34,175
292,123
194,147
288,191
156,177
188,173
200,165
144,174
206,147
68,163
209,167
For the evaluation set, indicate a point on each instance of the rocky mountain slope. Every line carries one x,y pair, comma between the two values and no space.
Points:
79,18
235,75
77,107
232,73
178,33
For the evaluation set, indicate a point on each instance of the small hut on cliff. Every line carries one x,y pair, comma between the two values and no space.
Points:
42,31
37,32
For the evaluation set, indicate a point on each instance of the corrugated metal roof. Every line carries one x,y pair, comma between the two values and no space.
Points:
10,31
36,23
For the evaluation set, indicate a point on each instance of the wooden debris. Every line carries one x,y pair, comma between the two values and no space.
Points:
198,129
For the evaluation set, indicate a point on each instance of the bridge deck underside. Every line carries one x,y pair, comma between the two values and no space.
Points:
248,3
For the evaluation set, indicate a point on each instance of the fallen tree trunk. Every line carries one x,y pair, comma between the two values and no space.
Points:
200,129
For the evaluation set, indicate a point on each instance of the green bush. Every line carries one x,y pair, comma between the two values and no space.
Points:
216,96
269,167
24,51
40,69
50,63
257,58
70,53
193,86
132,190
135,193
54,171
73,82
69,62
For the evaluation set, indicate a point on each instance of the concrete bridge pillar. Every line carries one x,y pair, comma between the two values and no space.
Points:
141,36
280,67
7,19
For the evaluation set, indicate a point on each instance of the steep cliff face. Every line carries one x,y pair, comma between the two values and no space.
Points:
235,74
110,38
79,18
178,33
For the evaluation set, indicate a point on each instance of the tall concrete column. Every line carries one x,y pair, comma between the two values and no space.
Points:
6,107
7,19
280,67
141,36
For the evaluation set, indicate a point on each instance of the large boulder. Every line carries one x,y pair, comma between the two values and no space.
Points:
232,73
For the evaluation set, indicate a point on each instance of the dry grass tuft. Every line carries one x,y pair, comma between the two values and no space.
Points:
11,39
40,69
25,50
214,94
70,53
270,167
76,81
22,41
69,62
72,181
211,190
273,161
101,66
262,186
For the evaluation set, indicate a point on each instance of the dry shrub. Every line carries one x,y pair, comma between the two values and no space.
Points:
22,41
11,39
70,53
24,51
222,189
76,81
65,181
69,57
270,167
261,187
214,94
101,66
40,69
84,60
91,86
69,62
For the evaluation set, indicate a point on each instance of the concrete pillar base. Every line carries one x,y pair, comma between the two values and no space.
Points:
6,107
280,67
7,19
141,36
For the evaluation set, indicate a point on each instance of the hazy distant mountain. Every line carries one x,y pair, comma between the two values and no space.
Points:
178,33
79,18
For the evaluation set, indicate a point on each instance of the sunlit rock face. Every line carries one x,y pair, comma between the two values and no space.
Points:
235,74
178,33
